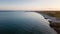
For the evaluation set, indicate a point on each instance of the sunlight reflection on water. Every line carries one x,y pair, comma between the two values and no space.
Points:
24,23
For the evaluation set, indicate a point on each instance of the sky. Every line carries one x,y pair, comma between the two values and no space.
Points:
29,4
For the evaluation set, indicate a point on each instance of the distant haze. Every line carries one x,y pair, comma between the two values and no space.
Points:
29,4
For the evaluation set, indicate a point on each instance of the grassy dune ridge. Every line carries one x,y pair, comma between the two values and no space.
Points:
51,13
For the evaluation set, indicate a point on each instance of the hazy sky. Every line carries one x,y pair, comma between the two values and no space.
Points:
29,4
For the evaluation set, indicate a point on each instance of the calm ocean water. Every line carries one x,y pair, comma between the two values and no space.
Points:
15,22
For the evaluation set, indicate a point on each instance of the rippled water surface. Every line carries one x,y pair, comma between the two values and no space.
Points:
24,23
